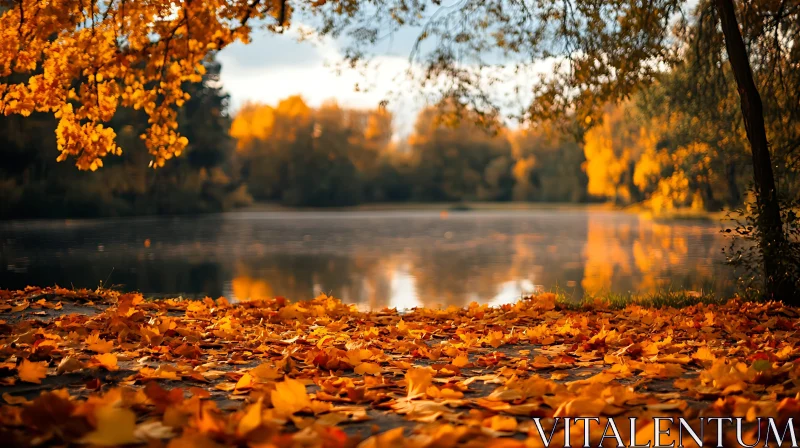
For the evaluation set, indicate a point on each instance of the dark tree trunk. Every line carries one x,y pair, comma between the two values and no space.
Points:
769,217
734,197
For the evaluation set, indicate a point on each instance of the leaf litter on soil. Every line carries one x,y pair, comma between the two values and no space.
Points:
120,370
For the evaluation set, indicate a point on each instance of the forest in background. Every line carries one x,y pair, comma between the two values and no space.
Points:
671,146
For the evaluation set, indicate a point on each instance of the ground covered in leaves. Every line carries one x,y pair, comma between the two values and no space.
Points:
104,368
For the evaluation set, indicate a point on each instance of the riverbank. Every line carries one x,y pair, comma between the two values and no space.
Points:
429,206
106,368
446,207
673,215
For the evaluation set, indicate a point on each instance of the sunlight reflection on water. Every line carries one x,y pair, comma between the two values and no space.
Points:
377,259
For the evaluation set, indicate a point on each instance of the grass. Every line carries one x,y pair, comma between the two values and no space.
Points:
681,214
658,299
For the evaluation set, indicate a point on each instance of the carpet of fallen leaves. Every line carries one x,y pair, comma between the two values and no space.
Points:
105,368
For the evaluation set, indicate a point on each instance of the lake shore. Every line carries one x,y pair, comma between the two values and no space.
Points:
672,215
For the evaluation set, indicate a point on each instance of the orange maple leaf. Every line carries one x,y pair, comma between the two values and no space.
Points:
32,372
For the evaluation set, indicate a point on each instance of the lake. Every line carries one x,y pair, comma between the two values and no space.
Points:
372,258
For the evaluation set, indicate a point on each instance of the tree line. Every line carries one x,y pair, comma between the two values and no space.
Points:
661,148
298,155
676,144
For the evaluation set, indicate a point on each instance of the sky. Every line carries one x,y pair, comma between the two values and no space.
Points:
273,67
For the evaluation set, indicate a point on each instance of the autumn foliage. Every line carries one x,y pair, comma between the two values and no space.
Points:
117,369
82,61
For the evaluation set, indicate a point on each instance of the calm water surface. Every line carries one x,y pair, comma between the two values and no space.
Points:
394,258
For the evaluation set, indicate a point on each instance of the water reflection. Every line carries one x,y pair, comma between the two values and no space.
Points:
376,259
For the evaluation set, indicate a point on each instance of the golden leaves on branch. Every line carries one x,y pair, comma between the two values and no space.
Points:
134,55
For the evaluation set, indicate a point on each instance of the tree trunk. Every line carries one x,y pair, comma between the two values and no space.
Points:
734,197
769,217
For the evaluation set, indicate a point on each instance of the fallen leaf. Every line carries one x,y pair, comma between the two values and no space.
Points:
153,430
69,364
251,419
460,360
703,354
10,399
107,361
115,426
98,345
32,372
418,380
290,396
368,368
501,423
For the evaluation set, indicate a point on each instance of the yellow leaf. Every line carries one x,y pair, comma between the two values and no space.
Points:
390,438
10,399
501,423
580,406
356,357
662,371
265,372
370,368
251,419
95,344
115,426
460,360
245,382
785,353
290,396
164,372
192,440
32,372
704,354
107,361
206,420
418,381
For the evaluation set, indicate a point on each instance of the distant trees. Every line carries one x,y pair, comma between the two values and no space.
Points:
460,161
657,150
317,157
549,166
298,155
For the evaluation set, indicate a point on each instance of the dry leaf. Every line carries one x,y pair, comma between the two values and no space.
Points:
368,368
289,397
115,426
32,372
251,419
69,364
107,361
418,379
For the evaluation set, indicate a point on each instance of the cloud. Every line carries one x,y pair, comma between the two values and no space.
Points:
273,67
